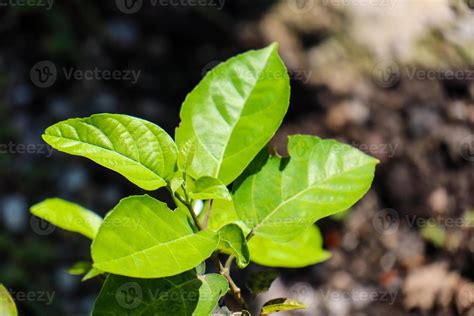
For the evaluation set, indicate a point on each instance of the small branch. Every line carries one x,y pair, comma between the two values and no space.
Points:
229,262
234,289
223,270
189,206
207,214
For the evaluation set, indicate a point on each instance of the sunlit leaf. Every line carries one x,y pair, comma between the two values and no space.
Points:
279,198
137,149
281,305
232,242
233,112
141,237
304,250
68,216
7,305
207,188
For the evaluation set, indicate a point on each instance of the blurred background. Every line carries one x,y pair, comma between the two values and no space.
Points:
394,78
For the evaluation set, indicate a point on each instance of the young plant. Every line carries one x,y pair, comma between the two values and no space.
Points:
154,256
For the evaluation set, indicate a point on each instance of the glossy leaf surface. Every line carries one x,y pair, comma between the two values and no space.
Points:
137,149
232,242
278,198
304,250
68,216
207,188
7,305
142,237
233,112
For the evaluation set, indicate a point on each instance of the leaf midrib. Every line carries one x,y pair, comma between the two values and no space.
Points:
111,151
163,244
303,192
221,159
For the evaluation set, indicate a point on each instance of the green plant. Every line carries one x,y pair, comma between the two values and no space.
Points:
7,305
154,256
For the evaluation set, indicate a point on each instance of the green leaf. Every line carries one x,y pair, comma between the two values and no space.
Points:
7,305
232,242
68,216
186,154
281,305
208,188
84,268
223,213
176,182
79,268
139,150
279,198
306,249
260,281
93,272
201,268
233,112
184,294
141,237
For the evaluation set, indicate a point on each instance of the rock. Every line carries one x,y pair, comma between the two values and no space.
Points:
439,200
422,120
430,286
347,112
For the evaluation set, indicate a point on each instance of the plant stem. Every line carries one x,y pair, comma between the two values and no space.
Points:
229,262
223,270
189,206
234,289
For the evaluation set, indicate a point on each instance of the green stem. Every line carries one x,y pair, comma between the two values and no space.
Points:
223,270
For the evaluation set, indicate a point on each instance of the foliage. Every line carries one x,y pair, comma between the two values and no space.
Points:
154,256
7,305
